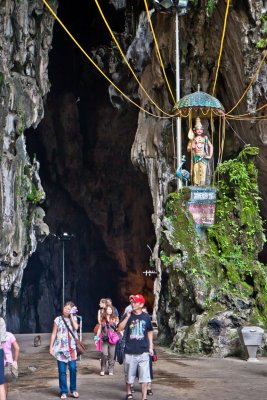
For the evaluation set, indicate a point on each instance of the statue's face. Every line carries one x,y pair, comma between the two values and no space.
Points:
199,131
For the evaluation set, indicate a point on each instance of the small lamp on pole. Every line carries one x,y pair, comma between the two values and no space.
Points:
64,237
180,7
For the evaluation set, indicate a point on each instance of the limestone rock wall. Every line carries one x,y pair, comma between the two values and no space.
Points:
25,36
152,150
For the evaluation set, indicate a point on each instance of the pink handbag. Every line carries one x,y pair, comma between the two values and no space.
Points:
113,337
98,345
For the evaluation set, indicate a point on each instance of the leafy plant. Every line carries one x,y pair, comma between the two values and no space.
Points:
210,7
35,195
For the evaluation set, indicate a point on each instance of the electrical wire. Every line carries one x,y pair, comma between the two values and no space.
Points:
221,47
158,51
242,140
125,59
262,117
253,79
96,66
251,112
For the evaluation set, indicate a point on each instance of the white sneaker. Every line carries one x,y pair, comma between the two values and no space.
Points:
102,373
110,373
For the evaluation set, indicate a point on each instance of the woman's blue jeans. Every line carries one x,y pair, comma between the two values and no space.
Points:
62,372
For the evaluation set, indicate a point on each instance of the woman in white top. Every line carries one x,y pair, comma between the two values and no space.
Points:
63,348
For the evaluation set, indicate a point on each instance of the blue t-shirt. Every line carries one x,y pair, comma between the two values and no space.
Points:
135,332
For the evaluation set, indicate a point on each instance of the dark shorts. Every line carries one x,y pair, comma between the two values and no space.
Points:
2,378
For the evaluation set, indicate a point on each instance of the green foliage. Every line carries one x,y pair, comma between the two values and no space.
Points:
227,260
21,122
237,237
164,258
210,7
184,237
262,42
239,227
35,195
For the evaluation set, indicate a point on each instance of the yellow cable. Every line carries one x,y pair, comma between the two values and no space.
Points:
262,118
221,47
251,112
126,61
253,79
158,51
94,64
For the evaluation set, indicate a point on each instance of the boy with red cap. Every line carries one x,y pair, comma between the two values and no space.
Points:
138,333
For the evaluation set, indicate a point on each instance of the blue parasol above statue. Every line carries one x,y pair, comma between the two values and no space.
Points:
199,104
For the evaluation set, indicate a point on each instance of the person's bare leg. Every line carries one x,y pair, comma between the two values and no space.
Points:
2,392
128,388
6,388
144,391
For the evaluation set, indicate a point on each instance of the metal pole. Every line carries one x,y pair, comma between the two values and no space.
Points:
63,272
178,120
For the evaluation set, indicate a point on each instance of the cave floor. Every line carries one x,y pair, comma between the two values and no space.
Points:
174,377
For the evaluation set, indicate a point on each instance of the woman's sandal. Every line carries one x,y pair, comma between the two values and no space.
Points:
75,395
63,396
129,396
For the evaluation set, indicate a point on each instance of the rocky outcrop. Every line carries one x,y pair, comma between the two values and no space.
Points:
199,37
26,34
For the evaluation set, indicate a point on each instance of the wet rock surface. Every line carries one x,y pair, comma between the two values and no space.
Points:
174,377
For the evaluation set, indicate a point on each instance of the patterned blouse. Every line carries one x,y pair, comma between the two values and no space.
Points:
64,347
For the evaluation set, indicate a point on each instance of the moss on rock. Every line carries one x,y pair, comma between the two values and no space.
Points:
207,279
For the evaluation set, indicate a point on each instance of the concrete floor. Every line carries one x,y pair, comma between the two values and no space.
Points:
175,377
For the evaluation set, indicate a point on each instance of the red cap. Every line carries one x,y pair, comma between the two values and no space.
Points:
138,298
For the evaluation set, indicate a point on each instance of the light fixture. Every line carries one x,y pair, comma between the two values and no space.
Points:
65,236
163,5
178,7
168,5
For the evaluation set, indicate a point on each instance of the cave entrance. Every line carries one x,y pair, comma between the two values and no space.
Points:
83,145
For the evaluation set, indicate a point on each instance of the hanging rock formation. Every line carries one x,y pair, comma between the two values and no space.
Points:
25,42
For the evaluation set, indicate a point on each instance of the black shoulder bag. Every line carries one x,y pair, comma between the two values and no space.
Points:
80,347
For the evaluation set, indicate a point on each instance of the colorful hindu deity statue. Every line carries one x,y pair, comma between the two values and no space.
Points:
202,151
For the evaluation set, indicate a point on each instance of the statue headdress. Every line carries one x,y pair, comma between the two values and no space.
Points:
198,123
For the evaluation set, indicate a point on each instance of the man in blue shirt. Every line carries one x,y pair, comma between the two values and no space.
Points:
138,333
